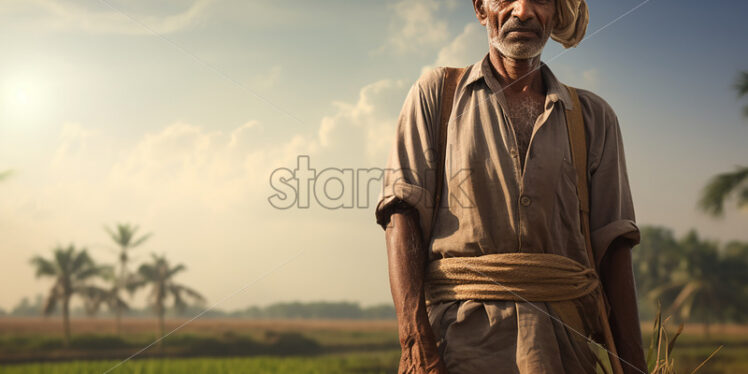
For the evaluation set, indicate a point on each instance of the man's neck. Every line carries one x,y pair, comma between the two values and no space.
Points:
517,76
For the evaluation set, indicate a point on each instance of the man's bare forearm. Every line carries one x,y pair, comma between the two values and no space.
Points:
618,281
407,260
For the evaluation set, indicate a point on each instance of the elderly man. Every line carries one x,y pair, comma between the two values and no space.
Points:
525,261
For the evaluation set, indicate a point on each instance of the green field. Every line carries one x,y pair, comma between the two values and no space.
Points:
361,363
729,360
282,346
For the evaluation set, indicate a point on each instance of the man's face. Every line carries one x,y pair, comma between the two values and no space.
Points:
517,28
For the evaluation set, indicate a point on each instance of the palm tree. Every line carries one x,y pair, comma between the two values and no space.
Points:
72,270
110,297
704,285
159,275
722,186
124,237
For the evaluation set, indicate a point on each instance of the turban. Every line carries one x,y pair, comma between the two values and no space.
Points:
571,22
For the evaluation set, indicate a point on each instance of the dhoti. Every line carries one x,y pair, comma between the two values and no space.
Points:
564,290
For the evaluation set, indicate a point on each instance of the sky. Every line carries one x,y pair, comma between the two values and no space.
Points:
174,115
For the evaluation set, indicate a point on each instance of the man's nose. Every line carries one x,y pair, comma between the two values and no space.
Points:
523,10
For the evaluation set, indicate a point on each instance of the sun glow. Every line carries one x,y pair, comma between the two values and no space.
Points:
22,95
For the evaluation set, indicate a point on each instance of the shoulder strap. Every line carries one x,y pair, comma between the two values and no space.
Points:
578,142
449,84
578,145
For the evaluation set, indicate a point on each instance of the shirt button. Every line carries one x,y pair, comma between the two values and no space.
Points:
524,200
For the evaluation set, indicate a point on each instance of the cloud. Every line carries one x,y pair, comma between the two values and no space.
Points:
465,49
576,76
215,171
64,15
415,26
367,124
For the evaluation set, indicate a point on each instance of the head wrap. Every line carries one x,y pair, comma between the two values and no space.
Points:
571,22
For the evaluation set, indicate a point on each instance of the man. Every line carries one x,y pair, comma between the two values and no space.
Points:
510,192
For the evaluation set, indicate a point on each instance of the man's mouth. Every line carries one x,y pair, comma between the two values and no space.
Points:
523,32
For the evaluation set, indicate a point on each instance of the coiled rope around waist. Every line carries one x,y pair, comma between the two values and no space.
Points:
508,276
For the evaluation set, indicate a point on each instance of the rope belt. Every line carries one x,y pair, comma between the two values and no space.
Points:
508,276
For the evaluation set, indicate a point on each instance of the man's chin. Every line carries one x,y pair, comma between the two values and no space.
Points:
519,51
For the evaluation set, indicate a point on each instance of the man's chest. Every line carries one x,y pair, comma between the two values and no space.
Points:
487,146
523,112
494,201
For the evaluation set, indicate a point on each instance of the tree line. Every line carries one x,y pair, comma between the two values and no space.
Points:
28,307
694,279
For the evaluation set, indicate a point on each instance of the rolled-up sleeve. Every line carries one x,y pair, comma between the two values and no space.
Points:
409,176
611,205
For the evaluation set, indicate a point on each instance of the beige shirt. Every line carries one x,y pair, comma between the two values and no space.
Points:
489,206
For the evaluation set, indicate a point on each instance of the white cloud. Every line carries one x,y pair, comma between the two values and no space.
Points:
415,26
573,75
59,15
216,171
465,49
237,133
367,124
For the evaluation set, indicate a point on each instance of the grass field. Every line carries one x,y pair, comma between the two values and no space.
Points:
357,363
242,346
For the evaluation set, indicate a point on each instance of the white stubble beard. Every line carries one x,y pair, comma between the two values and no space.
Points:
516,50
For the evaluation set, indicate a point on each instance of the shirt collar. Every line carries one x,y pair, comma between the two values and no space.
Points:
556,90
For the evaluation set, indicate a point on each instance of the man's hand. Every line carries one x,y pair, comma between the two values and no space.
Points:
618,281
407,260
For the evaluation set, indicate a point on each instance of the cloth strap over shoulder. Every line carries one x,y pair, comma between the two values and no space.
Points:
452,76
578,146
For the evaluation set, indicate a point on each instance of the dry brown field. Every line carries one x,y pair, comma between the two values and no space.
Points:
53,325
